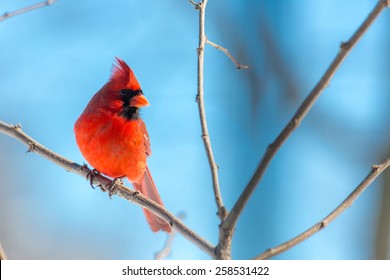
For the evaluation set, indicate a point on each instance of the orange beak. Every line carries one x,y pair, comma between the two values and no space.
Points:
139,101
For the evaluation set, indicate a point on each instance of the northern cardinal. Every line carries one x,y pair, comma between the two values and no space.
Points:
113,138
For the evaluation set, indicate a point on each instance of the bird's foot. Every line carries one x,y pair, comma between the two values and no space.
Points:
111,187
91,174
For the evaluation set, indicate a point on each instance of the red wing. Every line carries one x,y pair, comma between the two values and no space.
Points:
146,138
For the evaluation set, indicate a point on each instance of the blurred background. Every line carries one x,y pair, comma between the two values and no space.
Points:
55,58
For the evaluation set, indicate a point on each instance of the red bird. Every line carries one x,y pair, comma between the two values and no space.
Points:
113,138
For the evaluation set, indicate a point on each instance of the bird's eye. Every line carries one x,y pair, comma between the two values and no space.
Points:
130,93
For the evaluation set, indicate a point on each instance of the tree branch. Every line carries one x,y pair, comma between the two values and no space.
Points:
201,6
119,189
8,15
382,239
239,66
304,108
376,170
224,246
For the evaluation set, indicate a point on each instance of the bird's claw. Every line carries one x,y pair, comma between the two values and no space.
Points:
91,174
111,187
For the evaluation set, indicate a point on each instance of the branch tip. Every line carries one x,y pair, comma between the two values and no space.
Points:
239,66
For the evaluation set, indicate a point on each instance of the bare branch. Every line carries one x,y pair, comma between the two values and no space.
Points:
302,111
3,255
119,189
239,66
8,15
202,112
376,170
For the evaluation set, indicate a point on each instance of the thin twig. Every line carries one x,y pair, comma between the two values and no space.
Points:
304,108
239,66
376,170
3,255
15,131
202,112
194,3
8,15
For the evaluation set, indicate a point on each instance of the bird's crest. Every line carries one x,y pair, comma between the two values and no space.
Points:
123,77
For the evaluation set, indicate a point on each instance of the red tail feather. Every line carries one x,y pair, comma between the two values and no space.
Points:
148,188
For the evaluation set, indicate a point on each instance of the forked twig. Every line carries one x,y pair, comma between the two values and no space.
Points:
201,6
302,111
